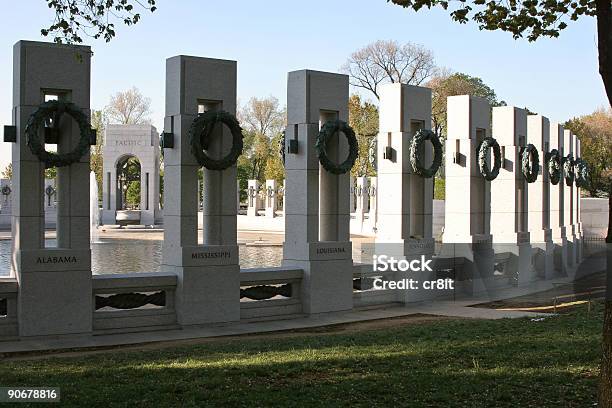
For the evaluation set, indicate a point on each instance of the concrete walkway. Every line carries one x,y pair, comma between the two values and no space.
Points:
459,309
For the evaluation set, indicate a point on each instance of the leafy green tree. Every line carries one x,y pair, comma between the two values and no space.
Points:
363,118
95,159
445,85
595,133
132,195
75,19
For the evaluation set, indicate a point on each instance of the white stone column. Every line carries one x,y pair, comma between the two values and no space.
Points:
353,186
6,196
373,196
317,202
208,287
55,289
540,233
509,194
271,200
467,219
405,200
238,195
557,207
254,202
362,198
569,203
577,221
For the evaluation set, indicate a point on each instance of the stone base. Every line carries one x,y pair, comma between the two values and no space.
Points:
55,292
208,284
327,285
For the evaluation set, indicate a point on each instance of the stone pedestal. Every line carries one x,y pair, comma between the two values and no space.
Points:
538,134
317,203
208,289
557,208
55,289
569,193
405,202
254,201
271,198
468,195
509,195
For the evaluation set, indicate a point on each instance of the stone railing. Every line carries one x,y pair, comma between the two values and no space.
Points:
8,307
364,293
269,292
132,302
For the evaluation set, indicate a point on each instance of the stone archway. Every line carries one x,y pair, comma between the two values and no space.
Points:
131,158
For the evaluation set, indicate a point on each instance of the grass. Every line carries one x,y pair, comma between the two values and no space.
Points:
458,363
439,189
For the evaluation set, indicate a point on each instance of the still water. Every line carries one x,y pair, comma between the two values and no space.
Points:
130,255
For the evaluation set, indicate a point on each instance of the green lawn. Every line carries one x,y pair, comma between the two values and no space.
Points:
459,363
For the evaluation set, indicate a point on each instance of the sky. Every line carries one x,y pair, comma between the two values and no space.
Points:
557,78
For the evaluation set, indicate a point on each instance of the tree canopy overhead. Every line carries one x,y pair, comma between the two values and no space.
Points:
75,19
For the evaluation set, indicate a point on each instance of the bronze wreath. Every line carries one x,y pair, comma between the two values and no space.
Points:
54,109
530,171
417,141
568,169
553,162
6,190
199,138
327,131
483,148
582,173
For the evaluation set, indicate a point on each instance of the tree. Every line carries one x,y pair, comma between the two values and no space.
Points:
91,18
535,19
263,116
595,133
95,159
128,108
132,195
7,173
363,118
389,61
445,85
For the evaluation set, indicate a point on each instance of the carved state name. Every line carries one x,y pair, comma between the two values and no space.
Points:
211,255
56,259
323,251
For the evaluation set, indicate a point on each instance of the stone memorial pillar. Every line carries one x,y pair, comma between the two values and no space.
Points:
271,200
254,201
569,204
208,288
509,198
405,203
362,196
540,233
238,195
557,211
577,221
317,202
55,286
467,221
373,194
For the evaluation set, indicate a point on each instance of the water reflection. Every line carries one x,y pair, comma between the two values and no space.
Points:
130,255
